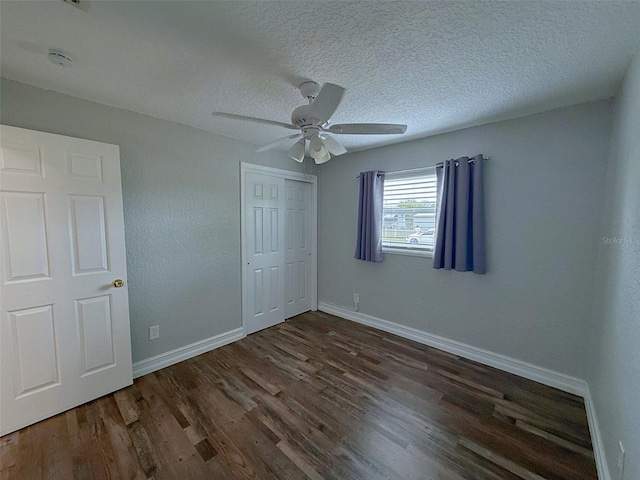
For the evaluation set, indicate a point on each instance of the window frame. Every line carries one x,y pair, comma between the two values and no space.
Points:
409,174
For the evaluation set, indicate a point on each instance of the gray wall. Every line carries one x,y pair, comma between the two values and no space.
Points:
615,377
181,192
544,186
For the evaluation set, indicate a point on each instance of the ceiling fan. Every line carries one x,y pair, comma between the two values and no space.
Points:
313,122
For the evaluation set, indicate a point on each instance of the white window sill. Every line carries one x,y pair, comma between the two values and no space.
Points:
408,252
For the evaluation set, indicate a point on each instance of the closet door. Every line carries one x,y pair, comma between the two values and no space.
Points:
297,247
264,251
64,318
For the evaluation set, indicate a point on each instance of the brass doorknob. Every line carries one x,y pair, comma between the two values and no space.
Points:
118,283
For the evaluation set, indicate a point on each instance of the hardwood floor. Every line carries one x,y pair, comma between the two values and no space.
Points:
315,397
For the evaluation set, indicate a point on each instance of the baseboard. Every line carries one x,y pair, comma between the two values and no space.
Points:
596,438
183,353
533,372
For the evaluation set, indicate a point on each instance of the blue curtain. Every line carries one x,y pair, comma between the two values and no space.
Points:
369,241
460,236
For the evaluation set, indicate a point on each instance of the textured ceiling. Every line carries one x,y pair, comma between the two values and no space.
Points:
436,66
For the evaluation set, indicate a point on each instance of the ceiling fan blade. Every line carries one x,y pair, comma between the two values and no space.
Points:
279,142
255,120
334,147
326,102
367,129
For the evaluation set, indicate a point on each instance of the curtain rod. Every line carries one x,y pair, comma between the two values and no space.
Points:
471,160
377,175
440,164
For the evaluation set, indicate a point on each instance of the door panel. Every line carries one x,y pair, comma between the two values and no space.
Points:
274,289
95,332
265,256
36,359
84,166
23,159
298,252
258,292
88,234
302,273
64,328
274,229
25,248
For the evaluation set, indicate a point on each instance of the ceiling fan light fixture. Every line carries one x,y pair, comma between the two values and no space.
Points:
296,152
335,148
317,148
320,160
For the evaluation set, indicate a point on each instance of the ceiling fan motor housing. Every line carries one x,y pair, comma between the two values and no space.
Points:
302,117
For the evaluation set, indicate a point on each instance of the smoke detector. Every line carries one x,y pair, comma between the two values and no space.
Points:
60,58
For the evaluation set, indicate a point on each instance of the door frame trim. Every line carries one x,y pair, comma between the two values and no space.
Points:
245,168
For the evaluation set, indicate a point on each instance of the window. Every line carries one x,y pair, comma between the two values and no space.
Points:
409,212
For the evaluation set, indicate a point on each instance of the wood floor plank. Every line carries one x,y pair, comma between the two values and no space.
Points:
81,467
142,446
9,448
268,461
261,381
286,448
500,460
126,464
316,397
549,436
125,406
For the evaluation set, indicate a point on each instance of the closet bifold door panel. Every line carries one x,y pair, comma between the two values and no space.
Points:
297,223
264,248
279,259
64,314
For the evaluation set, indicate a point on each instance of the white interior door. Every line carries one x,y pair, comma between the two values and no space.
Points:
297,222
264,251
64,333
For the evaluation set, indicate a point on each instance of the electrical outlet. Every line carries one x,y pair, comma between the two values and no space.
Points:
154,332
356,298
621,461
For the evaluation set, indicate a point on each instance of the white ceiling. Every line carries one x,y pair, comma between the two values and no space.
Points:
436,66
